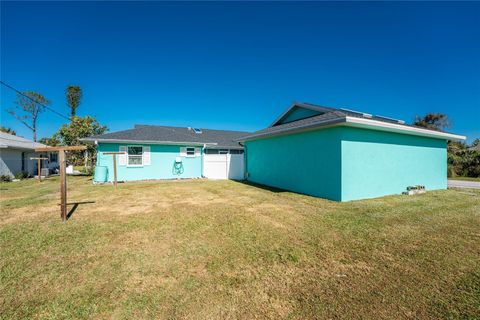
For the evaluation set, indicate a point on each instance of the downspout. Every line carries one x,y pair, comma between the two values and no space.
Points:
203,158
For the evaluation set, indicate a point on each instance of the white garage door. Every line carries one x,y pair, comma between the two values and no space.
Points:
223,166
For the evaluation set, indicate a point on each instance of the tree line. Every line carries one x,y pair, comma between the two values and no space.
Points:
29,105
463,160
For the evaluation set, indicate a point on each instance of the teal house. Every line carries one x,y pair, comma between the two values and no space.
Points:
345,155
160,152
336,154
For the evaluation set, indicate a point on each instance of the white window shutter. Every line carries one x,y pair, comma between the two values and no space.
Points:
197,152
122,158
146,156
183,151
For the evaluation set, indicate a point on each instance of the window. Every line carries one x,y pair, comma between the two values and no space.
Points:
135,155
190,152
236,151
211,151
223,151
53,157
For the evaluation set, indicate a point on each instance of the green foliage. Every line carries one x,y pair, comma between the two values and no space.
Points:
52,142
22,175
462,161
87,170
433,121
74,97
8,130
5,178
29,105
71,133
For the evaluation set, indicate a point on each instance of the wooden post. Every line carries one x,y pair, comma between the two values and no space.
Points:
63,175
63,185
39,166
114,155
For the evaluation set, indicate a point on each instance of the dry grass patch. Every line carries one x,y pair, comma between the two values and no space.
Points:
202,249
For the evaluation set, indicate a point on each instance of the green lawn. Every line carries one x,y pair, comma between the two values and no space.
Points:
225,250
465,178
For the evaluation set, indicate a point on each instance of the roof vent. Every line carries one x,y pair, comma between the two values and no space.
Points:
363,114
391,119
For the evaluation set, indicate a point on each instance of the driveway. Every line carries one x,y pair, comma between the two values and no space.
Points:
463,184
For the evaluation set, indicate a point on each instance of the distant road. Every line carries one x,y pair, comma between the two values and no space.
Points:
463,184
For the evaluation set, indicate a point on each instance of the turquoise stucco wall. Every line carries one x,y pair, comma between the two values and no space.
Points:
377,163
299,113
307,162
345,163
161,167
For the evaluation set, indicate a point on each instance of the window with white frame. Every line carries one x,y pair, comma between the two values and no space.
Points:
135,155
190,152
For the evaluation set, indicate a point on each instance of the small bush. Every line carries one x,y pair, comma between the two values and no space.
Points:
22,175
87,171
5,178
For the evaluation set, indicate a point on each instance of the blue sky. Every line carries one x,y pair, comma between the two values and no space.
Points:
239,65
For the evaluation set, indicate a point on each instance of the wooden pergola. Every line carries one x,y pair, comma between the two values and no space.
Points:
63,177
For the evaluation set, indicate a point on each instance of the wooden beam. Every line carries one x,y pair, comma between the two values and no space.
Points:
63,185
63,148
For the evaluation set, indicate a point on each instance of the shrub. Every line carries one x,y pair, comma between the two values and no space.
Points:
22,175
5,178
87,171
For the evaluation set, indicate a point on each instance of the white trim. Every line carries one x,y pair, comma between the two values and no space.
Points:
122,158
173,143
190,155
136,155
146,156
359,122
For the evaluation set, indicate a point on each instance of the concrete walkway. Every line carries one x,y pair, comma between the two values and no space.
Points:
463,184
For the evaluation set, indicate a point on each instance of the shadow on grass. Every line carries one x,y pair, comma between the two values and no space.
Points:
75,206
260,186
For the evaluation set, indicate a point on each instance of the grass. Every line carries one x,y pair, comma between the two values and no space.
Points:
465,178
226,250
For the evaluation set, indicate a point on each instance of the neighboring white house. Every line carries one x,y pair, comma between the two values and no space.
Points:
15,154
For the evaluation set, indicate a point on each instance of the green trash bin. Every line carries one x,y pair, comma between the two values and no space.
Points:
101,174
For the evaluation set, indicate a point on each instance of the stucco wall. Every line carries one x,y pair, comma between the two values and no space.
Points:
161,167
11,162
377,163
307,162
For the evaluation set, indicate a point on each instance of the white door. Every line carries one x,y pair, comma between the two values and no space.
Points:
223,166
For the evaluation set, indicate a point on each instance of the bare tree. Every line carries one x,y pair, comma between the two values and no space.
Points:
29,105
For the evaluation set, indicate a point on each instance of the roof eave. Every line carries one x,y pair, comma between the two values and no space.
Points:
307,127
360,123
393,127
96,140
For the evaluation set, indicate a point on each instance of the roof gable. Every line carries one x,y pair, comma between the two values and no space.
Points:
298,111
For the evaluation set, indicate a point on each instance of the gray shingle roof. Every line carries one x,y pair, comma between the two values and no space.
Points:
171,135
16,142
329,116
